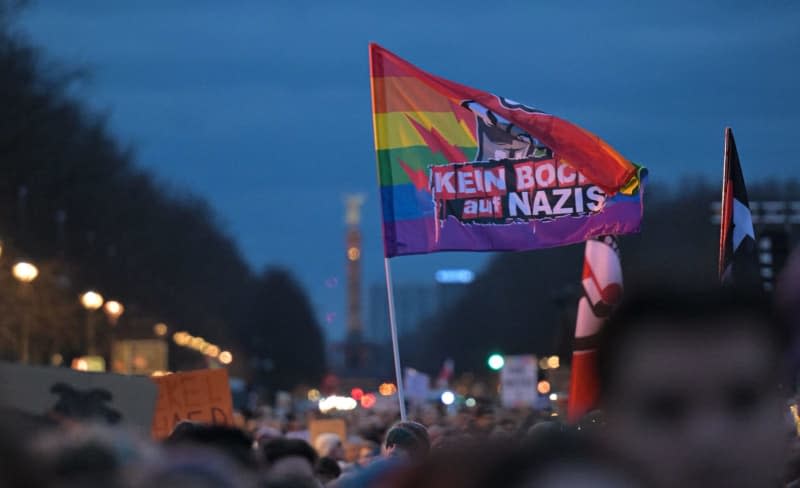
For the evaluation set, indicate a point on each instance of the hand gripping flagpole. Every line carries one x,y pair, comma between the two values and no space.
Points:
398,371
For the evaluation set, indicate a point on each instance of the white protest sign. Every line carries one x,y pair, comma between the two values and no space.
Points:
518,380
418,385
40,390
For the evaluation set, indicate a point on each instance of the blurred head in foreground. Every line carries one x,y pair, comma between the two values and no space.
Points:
408,440
690,388
289,458
327,470
551,459
329,445
230,441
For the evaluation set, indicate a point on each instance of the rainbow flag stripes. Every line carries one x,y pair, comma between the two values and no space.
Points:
464,170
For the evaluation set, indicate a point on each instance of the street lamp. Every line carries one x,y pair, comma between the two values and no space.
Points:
113,310
225,357
91,301
160,329
25,273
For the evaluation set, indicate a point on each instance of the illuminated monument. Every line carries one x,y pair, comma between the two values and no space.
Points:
354,347
357,361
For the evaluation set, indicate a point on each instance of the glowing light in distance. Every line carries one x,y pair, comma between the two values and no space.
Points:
387,389
553,397
553,362
353,253
25,272
368,400
181,338
496,362
455,276
114,308
313,395
357,393
470,402
225,357
543,387
337,403
160,329
448,397
91,300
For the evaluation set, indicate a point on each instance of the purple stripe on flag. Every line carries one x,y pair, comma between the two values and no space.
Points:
420,235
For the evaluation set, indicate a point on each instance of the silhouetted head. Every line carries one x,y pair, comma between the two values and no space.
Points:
229,440
289,457
407,439
329,445
327,470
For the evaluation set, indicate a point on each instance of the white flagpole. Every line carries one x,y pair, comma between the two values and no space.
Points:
398,371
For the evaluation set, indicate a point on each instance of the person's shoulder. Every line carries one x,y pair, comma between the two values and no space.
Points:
370,475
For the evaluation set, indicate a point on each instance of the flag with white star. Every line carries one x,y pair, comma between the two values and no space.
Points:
738,257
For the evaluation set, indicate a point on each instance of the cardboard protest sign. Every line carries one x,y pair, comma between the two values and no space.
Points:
325,426
97,396
200,396
518,380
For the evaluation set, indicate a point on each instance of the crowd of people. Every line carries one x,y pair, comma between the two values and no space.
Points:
695,391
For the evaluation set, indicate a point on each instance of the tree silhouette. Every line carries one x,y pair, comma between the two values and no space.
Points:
73,201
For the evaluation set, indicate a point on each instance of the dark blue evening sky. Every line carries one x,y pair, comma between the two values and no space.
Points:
263,106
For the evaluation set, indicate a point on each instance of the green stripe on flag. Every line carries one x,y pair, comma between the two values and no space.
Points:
416,158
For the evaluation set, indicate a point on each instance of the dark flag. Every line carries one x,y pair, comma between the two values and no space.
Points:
738,257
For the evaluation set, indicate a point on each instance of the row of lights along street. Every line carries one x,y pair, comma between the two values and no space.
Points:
26,273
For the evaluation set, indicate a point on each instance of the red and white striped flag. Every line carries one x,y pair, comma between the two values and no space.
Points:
738,258
602,291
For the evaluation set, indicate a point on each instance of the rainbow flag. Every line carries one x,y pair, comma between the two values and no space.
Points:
465,170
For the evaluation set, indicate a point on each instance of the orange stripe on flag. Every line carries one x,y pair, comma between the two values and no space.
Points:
406,94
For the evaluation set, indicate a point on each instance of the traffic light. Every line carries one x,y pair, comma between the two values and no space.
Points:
496,362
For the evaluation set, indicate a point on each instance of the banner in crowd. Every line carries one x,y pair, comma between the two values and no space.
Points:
66,393
417,385
518,380
316,427
462,169
202,396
